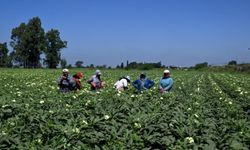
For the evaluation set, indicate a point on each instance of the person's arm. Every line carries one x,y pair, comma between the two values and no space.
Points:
59,80
170,85
90,81
71,80
160,87
102,83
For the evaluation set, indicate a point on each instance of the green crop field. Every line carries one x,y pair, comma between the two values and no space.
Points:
204,110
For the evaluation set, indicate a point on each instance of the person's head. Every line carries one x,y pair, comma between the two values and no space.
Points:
98,73
142,76
166,73
65,72
127,78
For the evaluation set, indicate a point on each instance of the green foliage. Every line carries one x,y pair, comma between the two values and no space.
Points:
53,46
122,65
63,63
232,68
143,66
232,62
4,60
79,64
203,111
69,66
201,65
18,44
28,42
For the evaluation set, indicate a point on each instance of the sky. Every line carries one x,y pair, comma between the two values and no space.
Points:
175,32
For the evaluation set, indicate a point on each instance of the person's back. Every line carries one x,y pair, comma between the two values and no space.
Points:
122,84
143,83
77,78
95,81
148,83
65,82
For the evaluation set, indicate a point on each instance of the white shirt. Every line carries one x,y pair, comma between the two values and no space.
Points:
121,84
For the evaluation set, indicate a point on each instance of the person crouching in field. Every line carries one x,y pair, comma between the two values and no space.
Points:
65,82
122,83
166,82
95,81
142,83
77,78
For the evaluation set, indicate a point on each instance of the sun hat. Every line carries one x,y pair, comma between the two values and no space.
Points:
65,70
98,72
166,71
128,77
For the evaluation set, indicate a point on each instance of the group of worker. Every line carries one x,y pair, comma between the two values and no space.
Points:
72,83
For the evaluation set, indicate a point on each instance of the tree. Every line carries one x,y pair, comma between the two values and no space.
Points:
79,64
63,63
35,41
201,65
69,66
53,46
122,65
4,55
232,62
19,45
28,42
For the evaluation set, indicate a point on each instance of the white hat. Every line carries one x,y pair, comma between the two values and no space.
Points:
128,77
65,70
98,72
166,71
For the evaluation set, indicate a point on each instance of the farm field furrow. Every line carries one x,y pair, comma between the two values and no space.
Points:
203,111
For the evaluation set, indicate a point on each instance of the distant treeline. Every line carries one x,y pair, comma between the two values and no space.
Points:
232,66
141,66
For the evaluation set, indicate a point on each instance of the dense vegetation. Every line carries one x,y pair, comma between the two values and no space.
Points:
204,111
29,41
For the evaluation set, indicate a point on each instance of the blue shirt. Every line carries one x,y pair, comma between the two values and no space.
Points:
166,83
143,84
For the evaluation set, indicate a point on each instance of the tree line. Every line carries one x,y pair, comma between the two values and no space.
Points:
29,41
140,65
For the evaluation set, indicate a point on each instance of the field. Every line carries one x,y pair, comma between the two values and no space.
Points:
205,110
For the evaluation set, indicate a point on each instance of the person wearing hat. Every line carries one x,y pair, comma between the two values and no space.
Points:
166,82
95,81
143,83
77,78
122,83
65,82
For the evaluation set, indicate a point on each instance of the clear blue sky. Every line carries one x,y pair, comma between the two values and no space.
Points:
176,32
